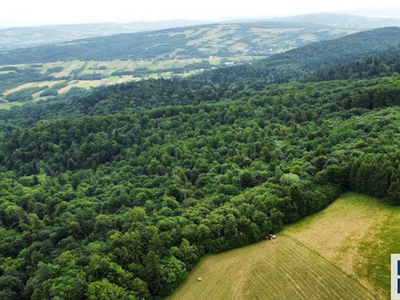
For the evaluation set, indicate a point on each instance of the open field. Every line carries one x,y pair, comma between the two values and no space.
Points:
107,67
31,85
88,74
279,269
87,84
9,105
357,234
343,253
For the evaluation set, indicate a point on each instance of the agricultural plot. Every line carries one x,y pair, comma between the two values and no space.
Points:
357,234
31,85
91,74
278,269
87,84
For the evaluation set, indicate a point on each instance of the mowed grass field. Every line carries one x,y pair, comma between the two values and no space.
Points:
279,269
357,234
343,253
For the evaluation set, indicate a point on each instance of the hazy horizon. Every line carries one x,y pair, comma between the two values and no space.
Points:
45,12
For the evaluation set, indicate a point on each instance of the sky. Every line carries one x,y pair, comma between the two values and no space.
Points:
43,12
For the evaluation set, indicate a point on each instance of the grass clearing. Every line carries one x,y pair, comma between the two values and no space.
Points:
8,106
308,37
31,85
267,31
356,233
6,72
87,84
238,47
279,269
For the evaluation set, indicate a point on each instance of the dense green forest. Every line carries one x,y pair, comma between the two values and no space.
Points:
378,66
118,194
294,64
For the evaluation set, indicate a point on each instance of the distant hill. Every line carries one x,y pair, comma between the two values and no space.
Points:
23,37
291,65
259,38
341,20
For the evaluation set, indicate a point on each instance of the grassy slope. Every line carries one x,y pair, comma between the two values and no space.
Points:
349,241
280,269
357,234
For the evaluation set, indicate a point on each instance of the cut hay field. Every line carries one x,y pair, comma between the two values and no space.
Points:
279,269
357,234
343,253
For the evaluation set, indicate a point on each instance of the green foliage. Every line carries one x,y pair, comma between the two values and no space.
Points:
119,194
104,290
289,179
297,63
24,94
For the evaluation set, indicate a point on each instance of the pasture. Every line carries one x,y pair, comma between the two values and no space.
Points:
342,252
278,269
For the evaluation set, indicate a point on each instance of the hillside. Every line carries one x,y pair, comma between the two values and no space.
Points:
23,37
343,21
292,65
260,38
368,54
27,83
280,269
344,250
119,193
330,60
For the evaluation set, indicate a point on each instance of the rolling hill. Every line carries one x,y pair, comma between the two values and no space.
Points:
23,37
291,65
119,194
277,68
342,21
335,259
260,38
